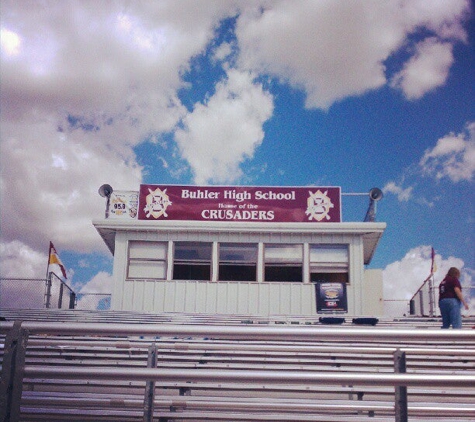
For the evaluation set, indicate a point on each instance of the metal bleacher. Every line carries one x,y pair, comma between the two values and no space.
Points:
72,365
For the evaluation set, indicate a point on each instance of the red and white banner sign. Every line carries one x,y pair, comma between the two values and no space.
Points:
240,203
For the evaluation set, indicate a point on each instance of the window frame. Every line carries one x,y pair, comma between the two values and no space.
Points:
194,266
282,267
226,265
330,268
146,259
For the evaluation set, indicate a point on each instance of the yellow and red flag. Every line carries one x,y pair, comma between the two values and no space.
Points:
433,266
54,259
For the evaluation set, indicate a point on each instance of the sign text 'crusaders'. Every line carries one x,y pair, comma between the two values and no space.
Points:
240,203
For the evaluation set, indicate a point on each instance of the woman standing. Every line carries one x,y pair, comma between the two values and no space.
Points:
451,299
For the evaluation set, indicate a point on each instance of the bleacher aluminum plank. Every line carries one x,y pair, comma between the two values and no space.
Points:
145,374
251,332
204,342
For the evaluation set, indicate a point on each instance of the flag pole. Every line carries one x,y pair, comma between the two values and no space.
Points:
49,258
47,299
433,269
431,295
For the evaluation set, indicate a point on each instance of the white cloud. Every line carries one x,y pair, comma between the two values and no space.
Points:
222,52
50,181
10,42
20,261
164,162
403,195
22,294
107,59
333,50
452,157
444,18
82,84
220,134
94,291
426,70
403,278
100,283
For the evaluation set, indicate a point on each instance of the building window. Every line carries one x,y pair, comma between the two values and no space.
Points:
329,263
147,260
237,262
283,262
192,261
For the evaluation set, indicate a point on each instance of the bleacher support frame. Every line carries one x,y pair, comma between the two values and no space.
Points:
13,366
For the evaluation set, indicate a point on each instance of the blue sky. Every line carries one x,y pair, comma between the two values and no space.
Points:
271,93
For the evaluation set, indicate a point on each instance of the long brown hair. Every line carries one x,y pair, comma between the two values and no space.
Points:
453,272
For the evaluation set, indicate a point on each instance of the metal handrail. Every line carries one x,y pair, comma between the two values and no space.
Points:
251,376
244,332
259,347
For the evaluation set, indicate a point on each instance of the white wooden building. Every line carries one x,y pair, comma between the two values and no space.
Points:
243,251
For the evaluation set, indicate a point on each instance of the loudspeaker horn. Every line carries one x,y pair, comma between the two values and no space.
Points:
375,194
106,191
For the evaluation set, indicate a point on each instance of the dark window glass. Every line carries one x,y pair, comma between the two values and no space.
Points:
283,262
192,261
283,273
329,277
191,272
237,262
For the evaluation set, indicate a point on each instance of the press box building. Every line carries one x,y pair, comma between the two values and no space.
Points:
240,250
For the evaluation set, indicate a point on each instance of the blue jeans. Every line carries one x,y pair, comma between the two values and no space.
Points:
451,315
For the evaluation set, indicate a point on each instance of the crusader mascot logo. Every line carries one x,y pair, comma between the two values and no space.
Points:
318,206
157,202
